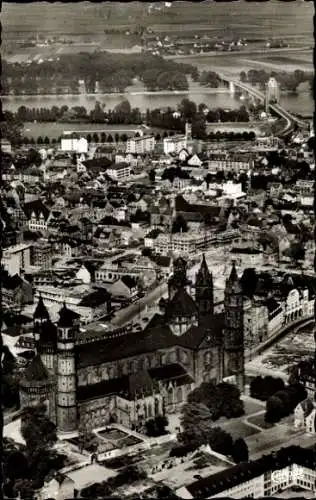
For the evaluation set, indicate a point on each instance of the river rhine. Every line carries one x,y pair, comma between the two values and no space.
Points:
301,102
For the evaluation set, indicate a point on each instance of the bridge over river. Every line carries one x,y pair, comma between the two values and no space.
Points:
247,89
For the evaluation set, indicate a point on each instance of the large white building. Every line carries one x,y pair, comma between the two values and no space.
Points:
140,145
71,142
17,258
269,475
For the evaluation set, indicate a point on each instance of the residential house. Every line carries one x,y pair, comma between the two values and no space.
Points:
194,161
305,416
125,287
183,155
70,248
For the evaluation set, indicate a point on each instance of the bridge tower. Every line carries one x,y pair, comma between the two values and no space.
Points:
231,87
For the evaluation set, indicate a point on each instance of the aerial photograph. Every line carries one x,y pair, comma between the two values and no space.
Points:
157,219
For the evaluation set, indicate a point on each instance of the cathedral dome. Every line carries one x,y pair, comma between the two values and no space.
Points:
181,305
67,317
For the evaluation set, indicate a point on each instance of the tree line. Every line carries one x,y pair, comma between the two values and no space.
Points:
287,80
113,72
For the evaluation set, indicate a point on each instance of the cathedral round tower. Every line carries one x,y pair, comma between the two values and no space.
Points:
67,329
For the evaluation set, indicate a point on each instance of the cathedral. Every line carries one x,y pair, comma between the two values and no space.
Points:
129,377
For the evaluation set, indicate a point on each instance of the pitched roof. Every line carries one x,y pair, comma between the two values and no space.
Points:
36,371
36,206
41,311
129,281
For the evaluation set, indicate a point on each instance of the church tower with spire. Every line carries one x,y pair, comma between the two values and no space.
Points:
234,363
67,328
204,294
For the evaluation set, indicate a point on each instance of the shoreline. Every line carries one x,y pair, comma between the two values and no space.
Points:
220,90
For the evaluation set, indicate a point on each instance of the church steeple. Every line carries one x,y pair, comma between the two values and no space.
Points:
204,293
234,364
40,313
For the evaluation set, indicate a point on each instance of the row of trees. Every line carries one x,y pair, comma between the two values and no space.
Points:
264,387
283,402
114,72
287,80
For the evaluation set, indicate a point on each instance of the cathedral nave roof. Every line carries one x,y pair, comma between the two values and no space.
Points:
152,339
141,383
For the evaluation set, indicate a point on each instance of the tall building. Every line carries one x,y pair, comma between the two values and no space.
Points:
127,376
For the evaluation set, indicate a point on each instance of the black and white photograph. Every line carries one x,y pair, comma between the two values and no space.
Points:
157,222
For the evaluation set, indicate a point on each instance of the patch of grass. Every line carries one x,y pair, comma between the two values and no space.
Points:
239,429
259,420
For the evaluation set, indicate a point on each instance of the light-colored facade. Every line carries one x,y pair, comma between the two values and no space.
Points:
174,144
140,145
119,172
183,243
17,258
265,485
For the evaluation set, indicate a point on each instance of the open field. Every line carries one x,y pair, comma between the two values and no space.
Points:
270,19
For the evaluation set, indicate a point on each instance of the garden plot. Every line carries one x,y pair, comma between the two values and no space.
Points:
118,438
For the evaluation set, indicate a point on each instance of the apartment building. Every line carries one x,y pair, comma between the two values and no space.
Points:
119,171
141,145
183,243
17,258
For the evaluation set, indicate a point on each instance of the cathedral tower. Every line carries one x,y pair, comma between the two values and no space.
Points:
204,294
234,363
67,326
179,277
45,335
